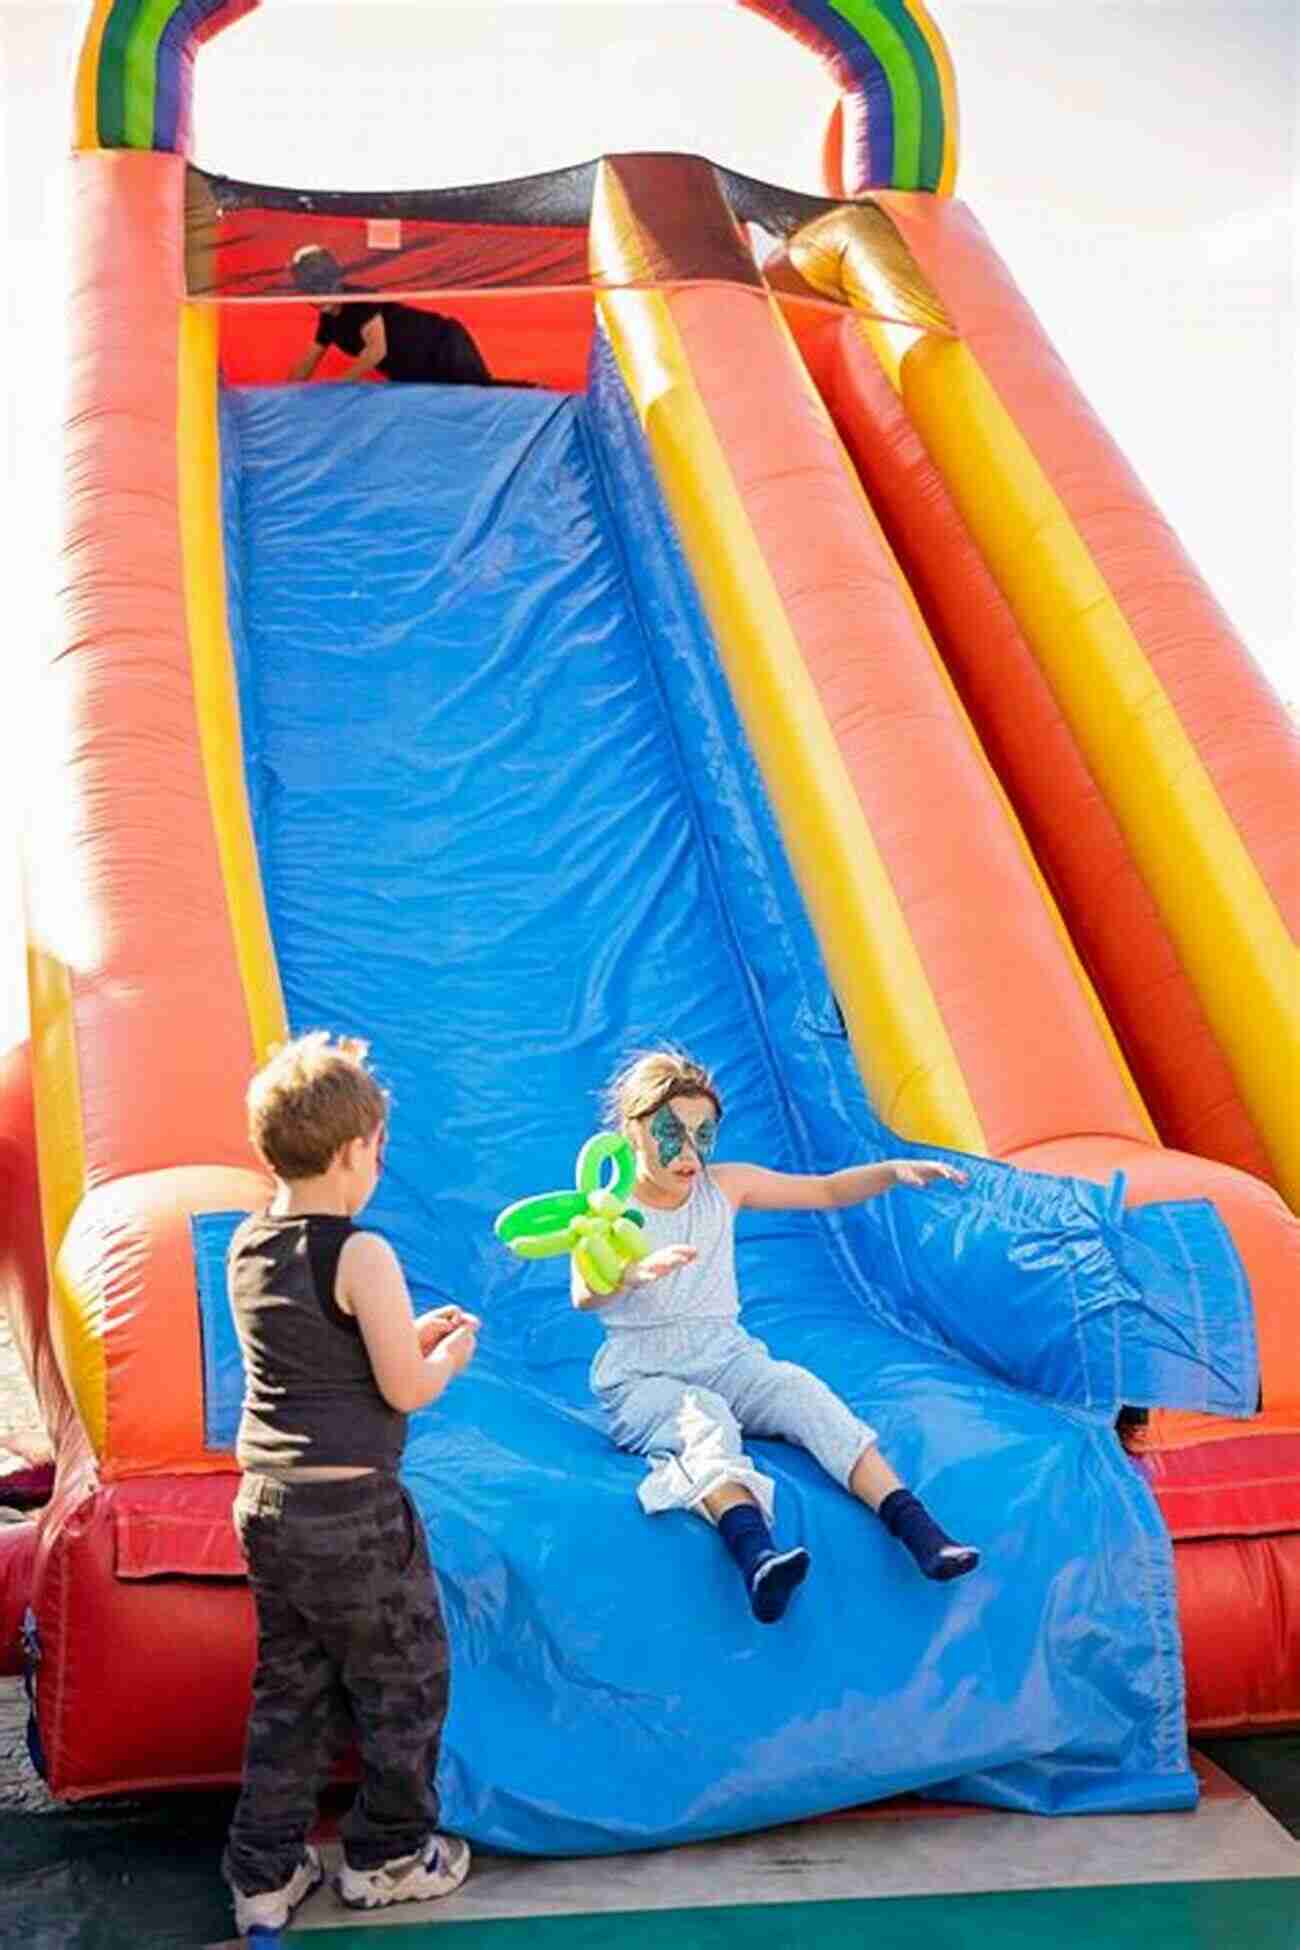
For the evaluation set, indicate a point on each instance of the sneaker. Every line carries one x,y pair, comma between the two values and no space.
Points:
439,1868
272,1909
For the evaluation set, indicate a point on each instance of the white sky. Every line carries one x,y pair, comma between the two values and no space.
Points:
1135,163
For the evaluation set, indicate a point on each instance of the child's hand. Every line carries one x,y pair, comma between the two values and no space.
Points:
669,1259
453,1353
920,1172
433,1327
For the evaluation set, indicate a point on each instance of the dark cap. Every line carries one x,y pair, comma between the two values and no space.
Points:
316,270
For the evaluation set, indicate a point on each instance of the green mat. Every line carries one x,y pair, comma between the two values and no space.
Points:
1169,1916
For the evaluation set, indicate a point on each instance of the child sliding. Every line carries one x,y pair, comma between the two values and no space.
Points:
680,1380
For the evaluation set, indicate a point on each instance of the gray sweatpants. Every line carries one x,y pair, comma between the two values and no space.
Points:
691,1422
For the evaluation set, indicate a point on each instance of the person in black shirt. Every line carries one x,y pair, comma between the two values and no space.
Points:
398,341
350,1625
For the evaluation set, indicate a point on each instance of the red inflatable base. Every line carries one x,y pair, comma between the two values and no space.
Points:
147,1636
17,1565
1233,1510
1239,1604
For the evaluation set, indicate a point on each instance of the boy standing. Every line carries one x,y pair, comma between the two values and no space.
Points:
350,1630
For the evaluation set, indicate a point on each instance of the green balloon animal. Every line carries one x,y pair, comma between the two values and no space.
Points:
594,1222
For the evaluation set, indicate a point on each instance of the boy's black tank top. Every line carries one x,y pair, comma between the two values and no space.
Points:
310,1396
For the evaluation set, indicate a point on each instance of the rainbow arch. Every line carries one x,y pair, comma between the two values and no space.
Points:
892,66
135,74
888,59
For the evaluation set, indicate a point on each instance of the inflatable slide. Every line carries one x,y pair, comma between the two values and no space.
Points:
777,658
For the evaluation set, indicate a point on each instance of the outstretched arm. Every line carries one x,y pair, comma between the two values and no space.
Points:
308,363
787,1191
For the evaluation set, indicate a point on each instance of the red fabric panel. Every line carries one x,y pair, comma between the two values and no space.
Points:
155,1543
542,336
247,253
1248,1487
1239,1605
144,1681
17,1568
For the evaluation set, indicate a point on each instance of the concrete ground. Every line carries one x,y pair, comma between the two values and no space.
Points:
1226,1877
902,1850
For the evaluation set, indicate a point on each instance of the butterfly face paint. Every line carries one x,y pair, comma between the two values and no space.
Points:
671,1135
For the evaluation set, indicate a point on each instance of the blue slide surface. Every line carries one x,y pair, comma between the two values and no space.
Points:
509,830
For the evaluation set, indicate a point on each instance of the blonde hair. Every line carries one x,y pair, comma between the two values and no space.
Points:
647,1082
310,1099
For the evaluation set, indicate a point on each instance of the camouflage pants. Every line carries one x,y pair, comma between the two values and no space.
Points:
350,1638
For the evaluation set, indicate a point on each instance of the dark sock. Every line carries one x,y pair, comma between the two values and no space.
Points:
770,1575
745,1533
906,1517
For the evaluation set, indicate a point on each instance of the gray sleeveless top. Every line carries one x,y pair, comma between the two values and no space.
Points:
704,1290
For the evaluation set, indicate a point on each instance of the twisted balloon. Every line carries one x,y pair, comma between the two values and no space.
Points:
594,1222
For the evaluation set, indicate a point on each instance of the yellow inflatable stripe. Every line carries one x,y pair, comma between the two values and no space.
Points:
61,1159
1053,912
77,1330
216,699
60,1138
85,133
897,1032
1227,930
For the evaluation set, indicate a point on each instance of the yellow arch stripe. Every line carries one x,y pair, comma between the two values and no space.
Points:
1230,937
86,98
216,698
893,1020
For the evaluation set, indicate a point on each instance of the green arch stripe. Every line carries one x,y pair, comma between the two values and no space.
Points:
926,72
111,81
904,56
890,51
141,77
